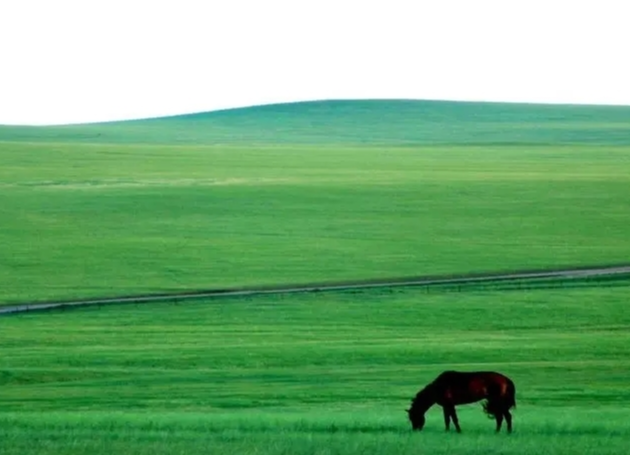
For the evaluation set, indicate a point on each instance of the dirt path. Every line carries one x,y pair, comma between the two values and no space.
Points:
569,273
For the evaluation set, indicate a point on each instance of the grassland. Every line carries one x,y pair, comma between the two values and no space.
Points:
304,192
366,123
313,192
316,374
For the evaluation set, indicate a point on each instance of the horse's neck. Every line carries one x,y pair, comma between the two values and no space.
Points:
428,399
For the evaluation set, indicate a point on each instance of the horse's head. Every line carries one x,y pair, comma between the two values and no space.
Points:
420,404
416,418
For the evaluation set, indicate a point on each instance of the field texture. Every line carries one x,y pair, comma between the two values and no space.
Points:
314,192
316,374
310,192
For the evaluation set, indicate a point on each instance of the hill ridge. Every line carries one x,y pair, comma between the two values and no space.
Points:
357,122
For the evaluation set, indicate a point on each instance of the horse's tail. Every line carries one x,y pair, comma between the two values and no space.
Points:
507,401
510,399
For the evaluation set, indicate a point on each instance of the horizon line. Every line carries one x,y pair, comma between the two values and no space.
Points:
246,106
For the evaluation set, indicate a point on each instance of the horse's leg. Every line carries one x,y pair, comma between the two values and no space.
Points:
499,418
455,419
447,417
508,420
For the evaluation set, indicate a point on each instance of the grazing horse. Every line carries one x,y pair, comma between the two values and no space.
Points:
453,388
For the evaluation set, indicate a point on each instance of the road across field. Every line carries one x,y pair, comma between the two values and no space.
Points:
566,273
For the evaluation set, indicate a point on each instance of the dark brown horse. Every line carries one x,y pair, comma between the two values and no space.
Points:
453,388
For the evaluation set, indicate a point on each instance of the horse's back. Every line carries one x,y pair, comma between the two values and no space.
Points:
466,375
496,377
486,379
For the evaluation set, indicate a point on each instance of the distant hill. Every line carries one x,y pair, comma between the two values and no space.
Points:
368,122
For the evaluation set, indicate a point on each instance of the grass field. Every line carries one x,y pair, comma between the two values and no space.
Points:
314,191
316,374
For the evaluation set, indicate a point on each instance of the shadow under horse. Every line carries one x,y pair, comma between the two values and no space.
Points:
453,388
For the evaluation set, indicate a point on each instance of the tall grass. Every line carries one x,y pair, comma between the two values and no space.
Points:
558,432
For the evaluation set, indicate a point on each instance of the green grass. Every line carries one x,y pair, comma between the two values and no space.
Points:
557,432
97,220
316,373
302,192
321,191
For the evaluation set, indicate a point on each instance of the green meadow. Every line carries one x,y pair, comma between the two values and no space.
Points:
327,373
310,192
306,192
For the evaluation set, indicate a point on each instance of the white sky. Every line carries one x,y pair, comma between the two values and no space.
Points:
64,61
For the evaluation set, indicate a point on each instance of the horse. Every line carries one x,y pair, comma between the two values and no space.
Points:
453,388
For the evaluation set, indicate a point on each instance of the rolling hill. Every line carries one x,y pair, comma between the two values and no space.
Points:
318,191
368,122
